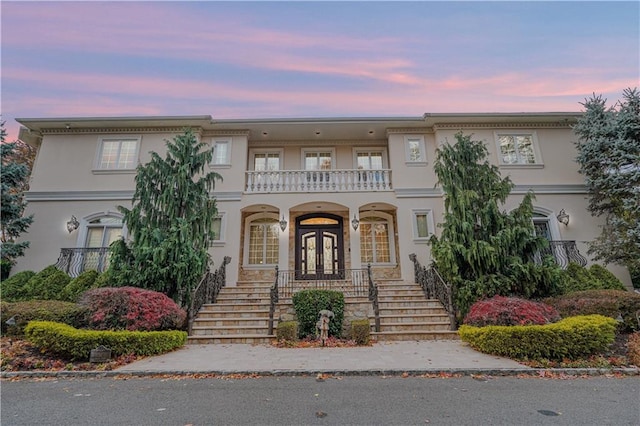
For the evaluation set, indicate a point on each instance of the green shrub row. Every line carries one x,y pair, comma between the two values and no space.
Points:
610,303
40,310
309,303
570,338
48,284
361,331
73,344
287,330
596,277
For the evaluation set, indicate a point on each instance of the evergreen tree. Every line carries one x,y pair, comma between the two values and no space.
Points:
609,159
15,178
483,251
170,221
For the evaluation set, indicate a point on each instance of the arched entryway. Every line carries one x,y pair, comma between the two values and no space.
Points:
319,247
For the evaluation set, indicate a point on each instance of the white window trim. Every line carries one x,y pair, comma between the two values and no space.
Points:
96,163
392,236
536,149
423,150
229,142
83,229
356,151
253,152
221,241
247,235
551,219
430,225
304,151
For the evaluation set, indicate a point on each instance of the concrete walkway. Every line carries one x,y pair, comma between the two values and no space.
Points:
391,357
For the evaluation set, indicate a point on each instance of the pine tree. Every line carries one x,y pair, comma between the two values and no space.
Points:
170,221
483,251
609,159
15,177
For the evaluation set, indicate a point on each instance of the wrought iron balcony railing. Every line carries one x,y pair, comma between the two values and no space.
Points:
564,252
318,181
75,261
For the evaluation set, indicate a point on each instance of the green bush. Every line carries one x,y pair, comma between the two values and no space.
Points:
570,338
610,303
5,269
13,287
41,310
79,285
73,344
578,278
103,280
287,330
36,287
361,331
606,277
309,303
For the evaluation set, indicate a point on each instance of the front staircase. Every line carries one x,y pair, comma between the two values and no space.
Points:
241,315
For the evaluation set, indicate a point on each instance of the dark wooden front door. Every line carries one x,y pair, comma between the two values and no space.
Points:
319,247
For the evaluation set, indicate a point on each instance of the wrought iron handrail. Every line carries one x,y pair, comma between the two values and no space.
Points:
435,287
564,252
207,290
342,180
76,260
373,298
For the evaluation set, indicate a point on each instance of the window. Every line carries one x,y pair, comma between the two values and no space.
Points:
318,160
415,150
118,154
266,161
518,149
376,245
422,225
100,233
218,228
263,242
221,152
370,160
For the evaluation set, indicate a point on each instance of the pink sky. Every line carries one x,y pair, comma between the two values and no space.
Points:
300,59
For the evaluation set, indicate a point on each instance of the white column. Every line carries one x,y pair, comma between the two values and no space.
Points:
354,240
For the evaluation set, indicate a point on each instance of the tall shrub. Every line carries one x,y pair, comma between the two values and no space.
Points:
309,303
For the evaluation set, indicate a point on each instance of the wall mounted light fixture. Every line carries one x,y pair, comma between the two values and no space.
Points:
563,217
355,222
283,223
72,224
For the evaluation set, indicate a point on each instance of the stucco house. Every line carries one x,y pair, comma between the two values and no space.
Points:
318,196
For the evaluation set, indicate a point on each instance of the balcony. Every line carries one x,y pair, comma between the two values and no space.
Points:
75,261
351,180
564,252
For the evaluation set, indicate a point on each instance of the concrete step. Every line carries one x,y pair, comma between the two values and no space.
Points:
414,335
230,339
394,304
414,318
223,313
237,330
413,326
228,306
231,322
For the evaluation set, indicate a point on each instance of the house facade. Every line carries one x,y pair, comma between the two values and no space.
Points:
317,197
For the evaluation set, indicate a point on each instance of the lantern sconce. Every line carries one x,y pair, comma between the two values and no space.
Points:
283,223
355,222
563,217
72,224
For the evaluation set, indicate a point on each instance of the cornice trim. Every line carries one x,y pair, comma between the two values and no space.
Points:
419,192
409,130
208,133
256,143
519,125
551,189
120,130
125,195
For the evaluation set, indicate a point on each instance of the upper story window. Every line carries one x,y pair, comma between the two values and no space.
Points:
218,228
370,159
318,159
266,160
221,152
518,148
415,150
422,225
118,153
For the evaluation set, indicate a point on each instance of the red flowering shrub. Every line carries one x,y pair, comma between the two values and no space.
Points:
131,308
501,310
633,346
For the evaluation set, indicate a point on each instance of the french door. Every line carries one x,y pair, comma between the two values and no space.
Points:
319,247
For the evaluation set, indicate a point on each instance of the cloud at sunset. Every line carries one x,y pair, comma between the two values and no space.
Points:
242,60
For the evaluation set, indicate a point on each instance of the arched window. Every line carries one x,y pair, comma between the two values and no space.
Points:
97,232
376,242
263,240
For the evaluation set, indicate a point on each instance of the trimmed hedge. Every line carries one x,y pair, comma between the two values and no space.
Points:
73,344
570,338
309,303
79,285
41,310
361,331
13,287
500,310
610,303
596,277
287,330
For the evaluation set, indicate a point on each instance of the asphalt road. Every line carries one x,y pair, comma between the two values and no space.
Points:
305,400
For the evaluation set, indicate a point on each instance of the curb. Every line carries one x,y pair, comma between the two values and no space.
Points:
447,372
